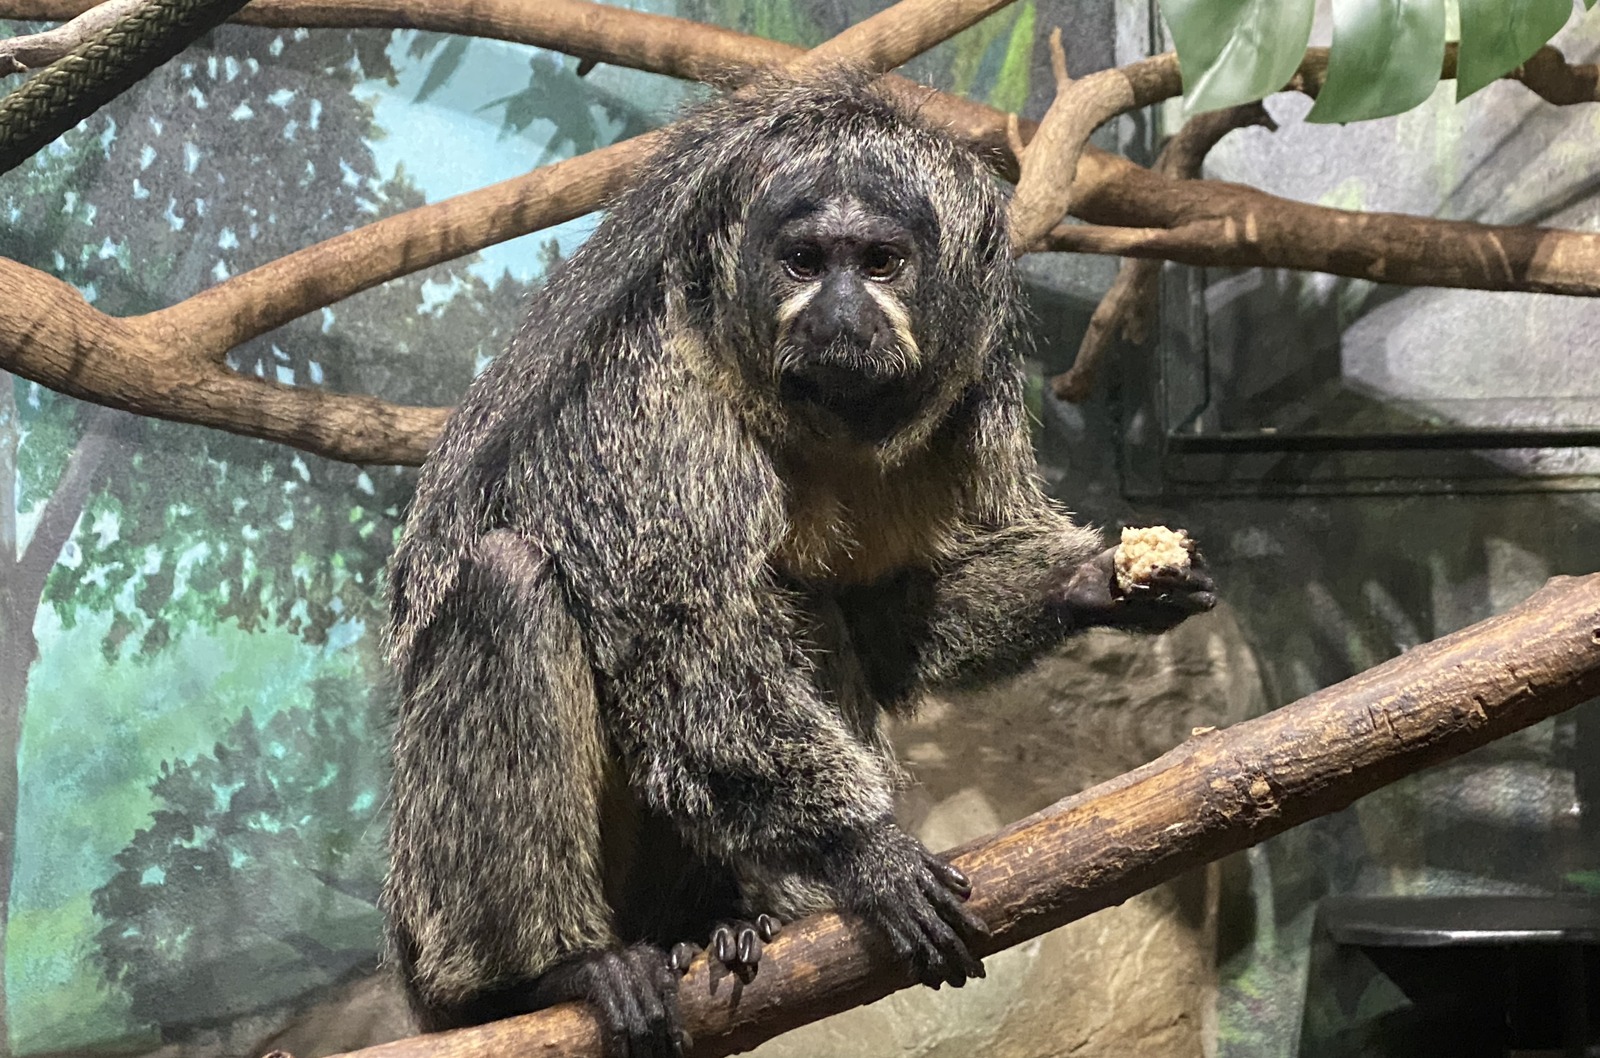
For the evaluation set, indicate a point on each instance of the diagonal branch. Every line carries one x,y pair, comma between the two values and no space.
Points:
106,444
1219,792
104,64
1050,161
170,363
30,51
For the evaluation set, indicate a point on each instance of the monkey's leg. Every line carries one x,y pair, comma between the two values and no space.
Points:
496,892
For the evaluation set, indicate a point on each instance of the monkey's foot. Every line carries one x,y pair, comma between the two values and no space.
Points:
736,944
634,993
914,900
1090,595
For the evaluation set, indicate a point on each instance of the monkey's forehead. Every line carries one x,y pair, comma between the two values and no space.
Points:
828,199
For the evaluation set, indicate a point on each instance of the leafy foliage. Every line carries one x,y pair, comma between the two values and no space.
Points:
556,93
1385,59
1497,37
258,875
1236,51
998,50
1386,55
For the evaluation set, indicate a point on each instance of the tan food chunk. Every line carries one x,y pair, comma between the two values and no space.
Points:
1147,549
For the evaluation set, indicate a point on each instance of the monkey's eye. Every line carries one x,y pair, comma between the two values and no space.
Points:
882,263
805,262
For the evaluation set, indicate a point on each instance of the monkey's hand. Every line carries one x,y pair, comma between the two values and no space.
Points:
1089,595
634,993
913,899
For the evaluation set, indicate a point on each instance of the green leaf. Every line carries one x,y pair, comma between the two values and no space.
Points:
1236,51
1497,36
1385,58
443,68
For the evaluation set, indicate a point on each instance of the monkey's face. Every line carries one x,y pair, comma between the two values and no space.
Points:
843,270
835,277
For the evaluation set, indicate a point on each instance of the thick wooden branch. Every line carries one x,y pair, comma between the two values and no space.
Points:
49,334
1219,792
1049,162
1227,225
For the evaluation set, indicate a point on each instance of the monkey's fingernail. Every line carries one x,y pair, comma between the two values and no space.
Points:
767,926
748,952
724,944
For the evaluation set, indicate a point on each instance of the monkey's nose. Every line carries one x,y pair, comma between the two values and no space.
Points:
842,313
823,329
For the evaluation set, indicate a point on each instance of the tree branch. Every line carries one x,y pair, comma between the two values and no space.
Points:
50,334
106,63
170,363
1152,217
31,51
1219,792
103,445
1049,164
1226,225
1132,295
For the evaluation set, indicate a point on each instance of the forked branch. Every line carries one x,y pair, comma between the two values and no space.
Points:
1130,300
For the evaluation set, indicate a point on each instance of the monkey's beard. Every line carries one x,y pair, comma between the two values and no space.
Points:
846,392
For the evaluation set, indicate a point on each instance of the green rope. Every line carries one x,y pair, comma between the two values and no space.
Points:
100,69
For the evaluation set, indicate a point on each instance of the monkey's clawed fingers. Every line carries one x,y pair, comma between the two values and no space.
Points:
681,955
935,935
738,945
1091,597
635,996
916,901
948,874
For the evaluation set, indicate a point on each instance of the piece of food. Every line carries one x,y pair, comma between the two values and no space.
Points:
1145,550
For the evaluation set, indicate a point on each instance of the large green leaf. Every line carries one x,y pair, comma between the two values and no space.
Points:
1385,59
1236,51
1497,36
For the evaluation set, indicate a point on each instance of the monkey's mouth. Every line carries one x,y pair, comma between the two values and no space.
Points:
869,406
829,385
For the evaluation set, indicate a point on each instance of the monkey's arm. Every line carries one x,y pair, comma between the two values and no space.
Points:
1002,600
